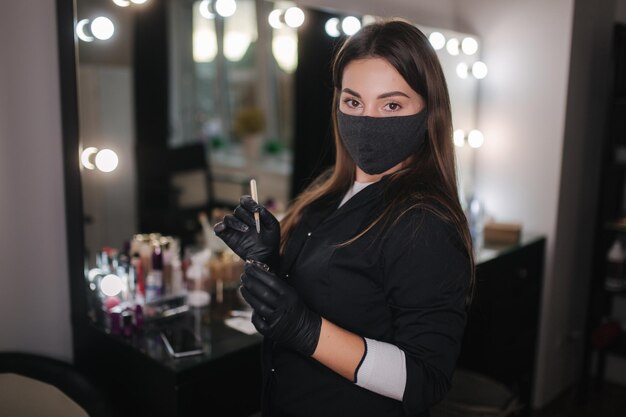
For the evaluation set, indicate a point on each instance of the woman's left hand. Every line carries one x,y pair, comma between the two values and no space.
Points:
278,311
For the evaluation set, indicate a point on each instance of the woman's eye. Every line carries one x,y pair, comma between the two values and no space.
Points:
352,103
393,106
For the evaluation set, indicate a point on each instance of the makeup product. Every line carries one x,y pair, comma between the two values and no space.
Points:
255,197
127,323
154,279
115,320
138,316
140,287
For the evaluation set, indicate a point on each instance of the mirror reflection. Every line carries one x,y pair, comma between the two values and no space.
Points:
183,102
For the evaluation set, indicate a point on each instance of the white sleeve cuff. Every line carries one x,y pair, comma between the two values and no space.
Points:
382,369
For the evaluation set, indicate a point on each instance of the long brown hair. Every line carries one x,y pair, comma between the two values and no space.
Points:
429,181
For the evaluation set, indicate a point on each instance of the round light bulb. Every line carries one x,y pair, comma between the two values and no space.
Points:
274,19
139,1
479,70
332,27
350,25
459,137
106,160
102,28
86,157
437,40
462,70
122,3
452,46
93,273
225,8
205,9
80,31
475,139
469,46
111,285
294,17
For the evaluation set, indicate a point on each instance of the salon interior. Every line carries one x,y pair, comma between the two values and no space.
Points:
129,127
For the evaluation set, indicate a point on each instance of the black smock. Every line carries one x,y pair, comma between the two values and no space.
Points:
406,285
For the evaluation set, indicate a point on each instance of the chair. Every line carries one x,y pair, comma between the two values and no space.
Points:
475,395
37,386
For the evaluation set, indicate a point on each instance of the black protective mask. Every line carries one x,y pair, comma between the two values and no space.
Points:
379,143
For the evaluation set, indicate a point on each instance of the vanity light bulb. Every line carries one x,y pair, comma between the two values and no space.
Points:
437,40
469,46
225,8
111,285
332,27
274,19
479,70
453,46
350,25
86,157
139,1
459,137
106,160
80,31
121,3
102,28
93,273
462,70
294,17
205,9
475,139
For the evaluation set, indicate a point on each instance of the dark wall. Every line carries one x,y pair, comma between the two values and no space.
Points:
151,115
313,145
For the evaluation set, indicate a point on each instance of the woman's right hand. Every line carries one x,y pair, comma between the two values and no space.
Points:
238,231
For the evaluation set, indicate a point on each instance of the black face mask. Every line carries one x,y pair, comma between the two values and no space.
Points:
379,143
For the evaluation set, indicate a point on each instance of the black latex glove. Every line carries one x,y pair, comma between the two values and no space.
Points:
238,231
278,311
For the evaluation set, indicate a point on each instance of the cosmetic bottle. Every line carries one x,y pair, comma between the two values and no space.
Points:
127,323
167,268
154,279
138,314
140,287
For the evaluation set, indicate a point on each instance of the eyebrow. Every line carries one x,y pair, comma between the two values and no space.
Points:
384,95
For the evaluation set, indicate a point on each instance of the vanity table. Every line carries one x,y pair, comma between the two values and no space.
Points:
140,378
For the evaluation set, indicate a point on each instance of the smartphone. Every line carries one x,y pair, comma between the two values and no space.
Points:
181,342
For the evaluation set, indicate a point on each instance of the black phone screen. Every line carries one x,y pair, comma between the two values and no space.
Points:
180,341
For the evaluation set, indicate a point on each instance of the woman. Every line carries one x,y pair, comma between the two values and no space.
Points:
361,290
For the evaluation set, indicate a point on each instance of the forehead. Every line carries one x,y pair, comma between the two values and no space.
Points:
372,74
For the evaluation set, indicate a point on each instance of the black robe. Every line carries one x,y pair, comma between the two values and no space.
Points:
405,284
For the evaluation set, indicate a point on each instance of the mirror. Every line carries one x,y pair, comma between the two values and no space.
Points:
194,104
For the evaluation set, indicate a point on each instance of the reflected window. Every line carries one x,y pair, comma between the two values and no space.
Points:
231,77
